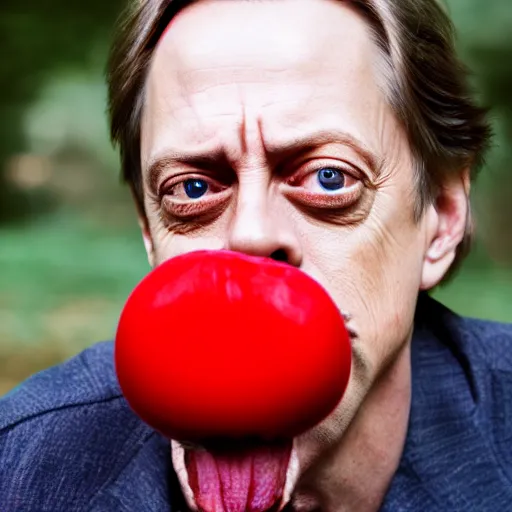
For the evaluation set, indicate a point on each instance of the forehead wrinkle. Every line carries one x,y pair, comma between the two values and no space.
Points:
250,137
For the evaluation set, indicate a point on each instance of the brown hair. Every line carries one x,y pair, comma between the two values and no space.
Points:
426,84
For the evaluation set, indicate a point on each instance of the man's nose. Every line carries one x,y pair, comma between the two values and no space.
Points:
259,229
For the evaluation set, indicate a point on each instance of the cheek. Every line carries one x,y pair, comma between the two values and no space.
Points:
167,243
373,273
387,281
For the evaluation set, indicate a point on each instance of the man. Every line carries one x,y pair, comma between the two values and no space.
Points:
340,137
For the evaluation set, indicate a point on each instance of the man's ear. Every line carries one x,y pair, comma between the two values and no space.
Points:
447,220
144,228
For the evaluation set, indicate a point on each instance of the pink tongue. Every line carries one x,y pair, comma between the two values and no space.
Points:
248,480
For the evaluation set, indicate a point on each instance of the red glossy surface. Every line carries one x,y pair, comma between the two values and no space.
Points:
219,344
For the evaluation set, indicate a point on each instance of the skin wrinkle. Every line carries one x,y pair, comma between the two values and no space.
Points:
294,72
349,217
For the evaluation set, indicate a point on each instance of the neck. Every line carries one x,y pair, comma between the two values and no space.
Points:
357,473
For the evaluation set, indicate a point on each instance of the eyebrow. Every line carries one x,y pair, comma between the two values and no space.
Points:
207,158
215,157
307,143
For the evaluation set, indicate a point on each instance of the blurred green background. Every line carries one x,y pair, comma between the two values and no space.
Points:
70,251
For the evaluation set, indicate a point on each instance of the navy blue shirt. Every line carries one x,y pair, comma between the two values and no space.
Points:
70,443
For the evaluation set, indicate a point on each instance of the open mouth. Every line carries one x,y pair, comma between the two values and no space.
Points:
239,477
247,478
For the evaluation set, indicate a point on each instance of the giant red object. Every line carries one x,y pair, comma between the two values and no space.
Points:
220,345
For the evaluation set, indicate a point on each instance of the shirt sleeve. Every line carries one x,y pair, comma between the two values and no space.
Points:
65,434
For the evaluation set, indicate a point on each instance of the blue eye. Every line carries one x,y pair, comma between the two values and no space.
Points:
331,179
195,188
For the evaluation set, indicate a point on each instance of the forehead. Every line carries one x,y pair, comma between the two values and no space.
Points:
281,61
297,29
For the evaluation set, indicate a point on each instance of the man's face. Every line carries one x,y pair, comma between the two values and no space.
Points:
266,131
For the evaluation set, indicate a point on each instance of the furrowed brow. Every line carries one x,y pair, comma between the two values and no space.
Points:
175,158
216,157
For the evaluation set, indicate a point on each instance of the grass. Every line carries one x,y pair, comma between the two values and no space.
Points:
485,293
62,287
64,281
64,266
